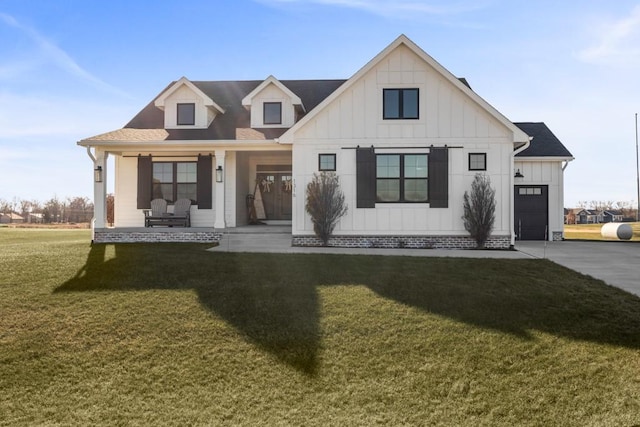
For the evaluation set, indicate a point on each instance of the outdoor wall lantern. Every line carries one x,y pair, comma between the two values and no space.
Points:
97,174
219,174
518,174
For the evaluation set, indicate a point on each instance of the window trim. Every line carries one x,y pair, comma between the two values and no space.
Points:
402,178
484,156
185,104
401,92
264,113
320,156
174,183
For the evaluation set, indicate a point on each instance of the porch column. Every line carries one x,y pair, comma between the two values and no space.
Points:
220,199
100,190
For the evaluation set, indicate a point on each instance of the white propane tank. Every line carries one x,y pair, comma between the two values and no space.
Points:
616,230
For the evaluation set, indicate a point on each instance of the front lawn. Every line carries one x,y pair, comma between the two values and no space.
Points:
171,334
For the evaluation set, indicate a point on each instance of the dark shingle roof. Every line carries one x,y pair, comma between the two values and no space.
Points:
544,143
229,95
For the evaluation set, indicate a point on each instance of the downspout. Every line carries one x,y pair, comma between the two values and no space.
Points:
91,155
512,195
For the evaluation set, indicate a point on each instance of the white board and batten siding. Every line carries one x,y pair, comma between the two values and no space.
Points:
547,172
447,116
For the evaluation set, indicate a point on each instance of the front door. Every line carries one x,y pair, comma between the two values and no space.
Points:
276,189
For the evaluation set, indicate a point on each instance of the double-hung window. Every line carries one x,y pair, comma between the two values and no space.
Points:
400,104
402,178
175,180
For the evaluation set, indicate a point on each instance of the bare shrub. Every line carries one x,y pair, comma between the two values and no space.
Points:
325,204
479,209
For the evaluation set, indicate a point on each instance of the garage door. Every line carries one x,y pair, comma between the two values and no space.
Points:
531,212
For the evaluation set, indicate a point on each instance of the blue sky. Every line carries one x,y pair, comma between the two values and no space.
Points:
71,69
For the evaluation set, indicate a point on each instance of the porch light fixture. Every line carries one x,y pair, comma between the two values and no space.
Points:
97,174
518,174
219,174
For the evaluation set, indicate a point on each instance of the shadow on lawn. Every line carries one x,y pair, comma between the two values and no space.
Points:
279,316
272,298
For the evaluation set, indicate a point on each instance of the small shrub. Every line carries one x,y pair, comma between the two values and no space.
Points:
479,209
325,204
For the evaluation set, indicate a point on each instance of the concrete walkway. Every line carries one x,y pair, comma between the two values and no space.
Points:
277,239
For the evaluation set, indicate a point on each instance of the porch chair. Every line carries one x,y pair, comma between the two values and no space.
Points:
157,212
182,213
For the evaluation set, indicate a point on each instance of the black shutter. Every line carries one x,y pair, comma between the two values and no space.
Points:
204,182
365,178
439,177
144,182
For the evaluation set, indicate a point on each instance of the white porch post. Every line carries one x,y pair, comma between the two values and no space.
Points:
100,190
220,199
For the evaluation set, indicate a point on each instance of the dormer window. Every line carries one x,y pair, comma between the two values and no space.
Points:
272,113
186,114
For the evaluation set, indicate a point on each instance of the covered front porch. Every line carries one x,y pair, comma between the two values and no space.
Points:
231,179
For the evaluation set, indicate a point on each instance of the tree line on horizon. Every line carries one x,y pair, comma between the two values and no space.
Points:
55,210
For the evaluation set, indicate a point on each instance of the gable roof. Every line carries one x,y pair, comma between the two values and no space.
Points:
461,84
228,95
295,99
544,142
208,102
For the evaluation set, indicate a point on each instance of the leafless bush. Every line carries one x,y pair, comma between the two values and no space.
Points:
479,209
325,204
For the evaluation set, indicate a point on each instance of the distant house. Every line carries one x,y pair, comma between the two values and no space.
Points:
611,215
587,216
35,218
405,136
11,218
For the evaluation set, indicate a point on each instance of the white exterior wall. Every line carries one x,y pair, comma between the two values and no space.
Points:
271,93
447,117
549,173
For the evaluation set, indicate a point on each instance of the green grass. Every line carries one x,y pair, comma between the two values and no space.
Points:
171,334
592,231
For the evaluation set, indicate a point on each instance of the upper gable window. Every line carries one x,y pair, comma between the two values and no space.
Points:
186,114
272,113
400,104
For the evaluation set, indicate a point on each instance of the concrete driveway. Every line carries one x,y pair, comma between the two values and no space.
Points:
615,263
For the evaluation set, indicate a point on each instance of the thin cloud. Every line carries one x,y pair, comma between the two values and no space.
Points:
403,8
618,42
56,55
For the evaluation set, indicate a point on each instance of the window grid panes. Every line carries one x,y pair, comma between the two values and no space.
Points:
272,113
400,104
477,161
530,191
186,114
175,180
402,178
327,162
